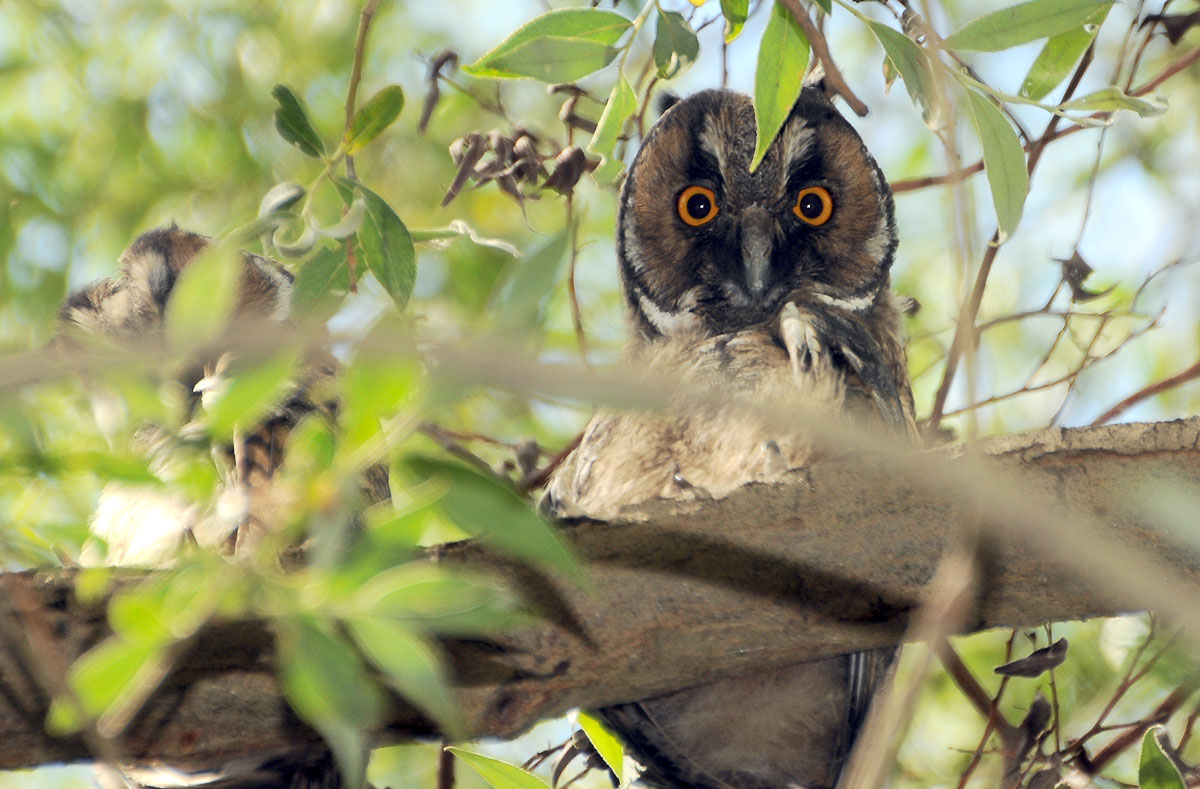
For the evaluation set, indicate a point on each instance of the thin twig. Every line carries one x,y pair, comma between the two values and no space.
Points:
360,46
1158,387
576,317
820,48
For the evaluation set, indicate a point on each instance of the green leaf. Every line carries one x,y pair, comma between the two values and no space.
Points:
293,125
439,601
386,246
912,63
675,44
621,104
321,284
104,678
558,46
245,397
826,6
136,615
374,388
1004,161
607,744
1025,22
1112,99
500,775
482,505
735,13
778,77
1058,56
204,296
519,301
1155,768
327,685
412,665
372,118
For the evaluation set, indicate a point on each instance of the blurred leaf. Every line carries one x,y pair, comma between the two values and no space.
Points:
558,46
1112,99
912,63
327,685
621,104
204,296
501,775
440,601
412,666
114,467
1037,662
136,614
293,125
826,6
280,197
1155,768
519,301
484,506
374,388
1058,56
386,246
735,13
380,111
1003,160
321,284
607,744
103,679
675,44
778,77
1025,22
245,397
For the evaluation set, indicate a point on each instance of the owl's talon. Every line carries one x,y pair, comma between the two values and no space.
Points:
773,460
680,485
800,338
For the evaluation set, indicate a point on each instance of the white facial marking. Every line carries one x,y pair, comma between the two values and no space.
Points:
669,323
710,141
851,304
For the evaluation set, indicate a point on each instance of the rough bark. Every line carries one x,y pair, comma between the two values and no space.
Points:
683,592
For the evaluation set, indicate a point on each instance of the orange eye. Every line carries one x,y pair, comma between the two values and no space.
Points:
697,205
814,205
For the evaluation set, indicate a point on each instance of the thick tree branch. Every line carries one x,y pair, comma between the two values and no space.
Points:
681,593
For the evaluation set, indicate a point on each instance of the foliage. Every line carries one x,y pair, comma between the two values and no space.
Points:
234,121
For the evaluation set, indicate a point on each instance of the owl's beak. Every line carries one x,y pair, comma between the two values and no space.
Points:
758,239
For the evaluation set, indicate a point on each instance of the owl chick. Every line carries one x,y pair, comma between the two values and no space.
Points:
772,287
145,527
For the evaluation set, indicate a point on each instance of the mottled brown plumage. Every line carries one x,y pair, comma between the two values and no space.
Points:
146,526
769,287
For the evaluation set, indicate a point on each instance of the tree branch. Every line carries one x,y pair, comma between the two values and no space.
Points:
685,592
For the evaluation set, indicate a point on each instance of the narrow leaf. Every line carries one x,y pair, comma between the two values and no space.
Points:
327,685
321,284
1155,768
912,63
498,774
293,125
520,300
607,744
558,46
735,13
1025,22
1112,99
412,666
1004,161
1058,56
245,397
386,246
438,601
778,77
675,44
204,296
104,678
373,117
481,505
622,103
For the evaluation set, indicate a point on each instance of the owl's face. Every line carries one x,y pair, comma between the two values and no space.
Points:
707,246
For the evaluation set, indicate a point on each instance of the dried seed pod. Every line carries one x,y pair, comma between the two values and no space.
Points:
569,167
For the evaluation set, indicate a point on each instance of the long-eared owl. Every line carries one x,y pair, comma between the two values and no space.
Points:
773,286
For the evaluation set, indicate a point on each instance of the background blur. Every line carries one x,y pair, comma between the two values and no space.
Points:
116,117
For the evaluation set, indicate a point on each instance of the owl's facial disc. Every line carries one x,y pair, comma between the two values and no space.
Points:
705,244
